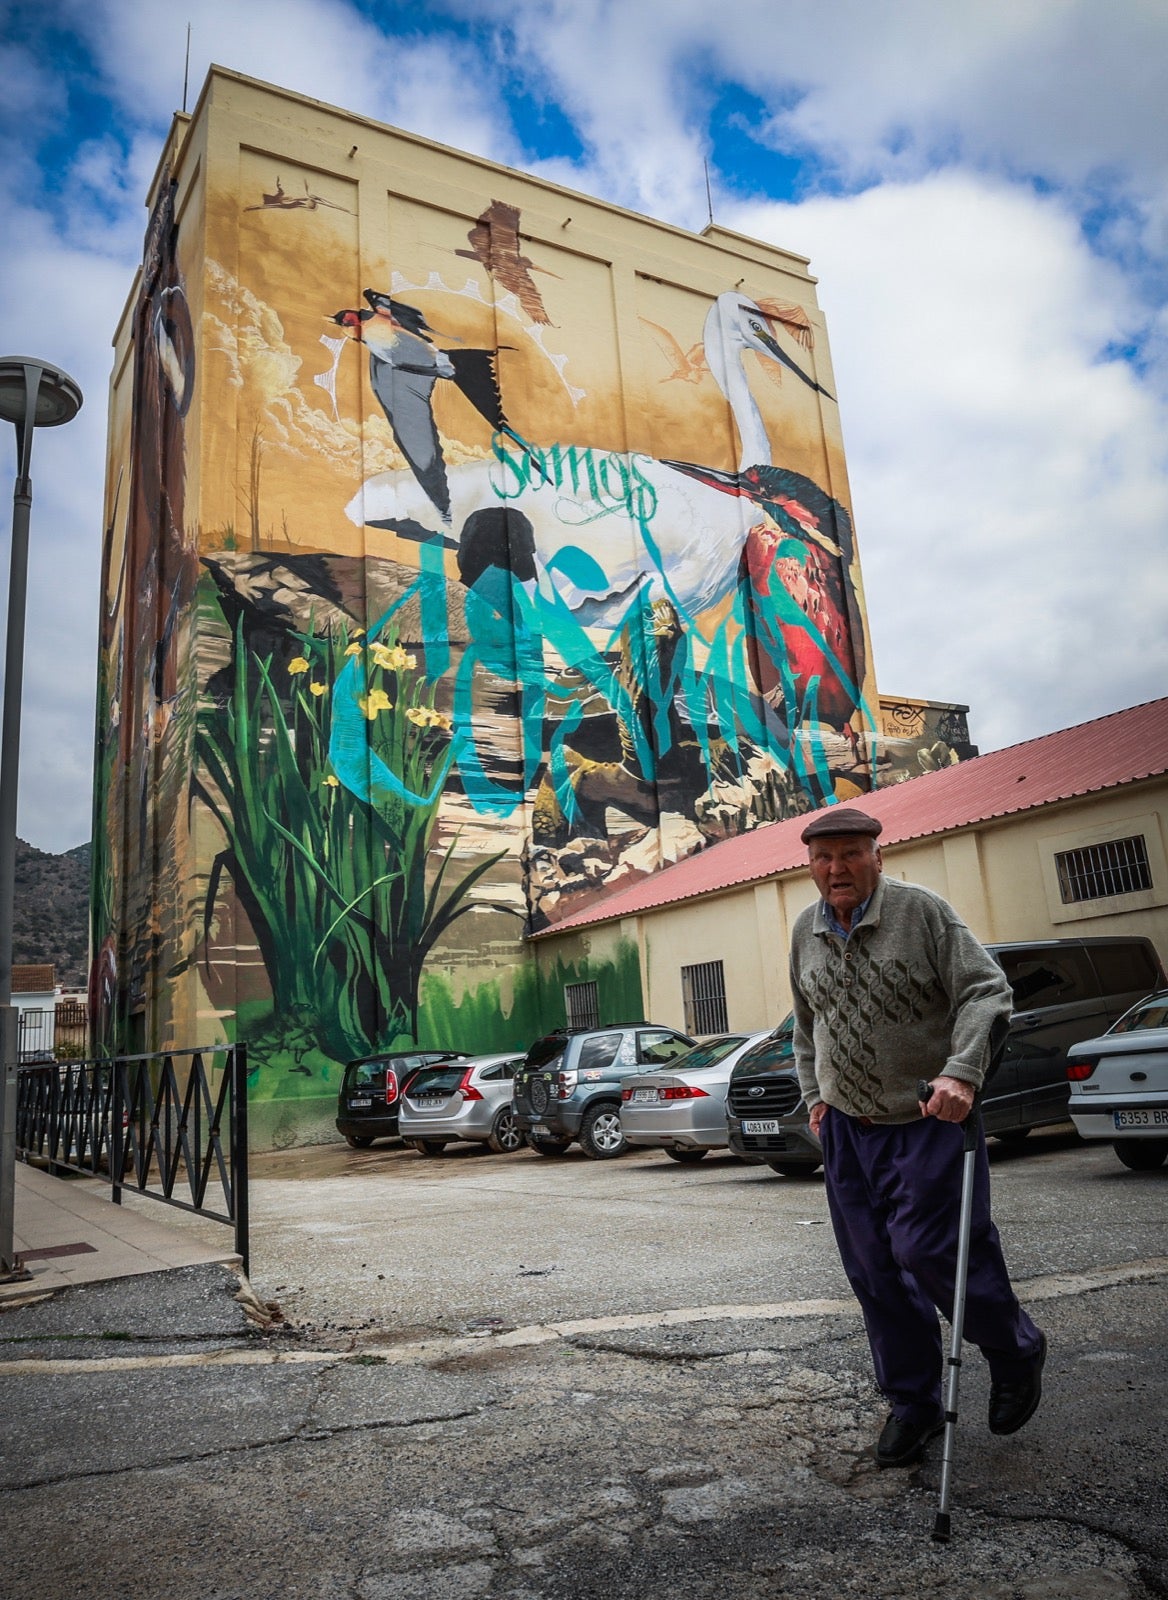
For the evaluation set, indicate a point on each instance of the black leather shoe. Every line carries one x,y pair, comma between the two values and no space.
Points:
903,1440
1013,1404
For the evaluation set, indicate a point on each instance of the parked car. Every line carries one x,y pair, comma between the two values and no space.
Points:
369,1098
469,1099
681,1107
1119,1085
766,1118
569,1086
1064,991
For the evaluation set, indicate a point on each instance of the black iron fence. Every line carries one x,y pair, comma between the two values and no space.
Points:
172,1126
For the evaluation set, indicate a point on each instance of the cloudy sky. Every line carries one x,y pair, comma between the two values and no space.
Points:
981,186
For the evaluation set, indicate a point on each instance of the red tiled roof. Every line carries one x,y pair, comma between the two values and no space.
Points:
1125,747
33,980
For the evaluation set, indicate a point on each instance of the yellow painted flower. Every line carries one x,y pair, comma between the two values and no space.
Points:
392,658
355,648
317,688
374,703
427,717
332,783
297,665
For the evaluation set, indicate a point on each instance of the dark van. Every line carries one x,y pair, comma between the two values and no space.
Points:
1065,991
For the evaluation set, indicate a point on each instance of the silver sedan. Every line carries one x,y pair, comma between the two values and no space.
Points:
681,1108
468,1100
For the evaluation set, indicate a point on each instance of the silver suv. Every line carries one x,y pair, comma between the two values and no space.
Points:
569,1086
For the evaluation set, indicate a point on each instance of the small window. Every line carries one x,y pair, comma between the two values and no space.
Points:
582,1003
1101,871
600,1051
657,1048
1125,968
1051,977
703,992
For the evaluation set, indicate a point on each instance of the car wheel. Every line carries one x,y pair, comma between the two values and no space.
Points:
545,1145
793,1169
505,1138
1142,1155
601,1134
685,1155
1012,1135
430,1147
358,1141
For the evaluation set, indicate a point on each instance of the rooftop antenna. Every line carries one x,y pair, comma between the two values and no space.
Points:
709,196
186,69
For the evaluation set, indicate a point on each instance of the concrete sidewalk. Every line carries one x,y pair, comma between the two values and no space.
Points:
68,1231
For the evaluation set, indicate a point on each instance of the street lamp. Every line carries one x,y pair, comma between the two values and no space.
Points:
33,394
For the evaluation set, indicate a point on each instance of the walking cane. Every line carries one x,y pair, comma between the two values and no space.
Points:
972,1126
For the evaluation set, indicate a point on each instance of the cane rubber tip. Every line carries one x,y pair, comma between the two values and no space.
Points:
941,1528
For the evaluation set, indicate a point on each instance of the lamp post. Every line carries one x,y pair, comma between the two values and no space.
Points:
33,394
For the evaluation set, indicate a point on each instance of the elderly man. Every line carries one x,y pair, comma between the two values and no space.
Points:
891,987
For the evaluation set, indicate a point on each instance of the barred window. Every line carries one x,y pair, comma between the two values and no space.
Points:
1101,870
703,991
582,1003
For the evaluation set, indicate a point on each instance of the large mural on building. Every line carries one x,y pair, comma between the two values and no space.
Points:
457,597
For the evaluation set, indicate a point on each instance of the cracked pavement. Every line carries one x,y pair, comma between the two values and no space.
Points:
623,1443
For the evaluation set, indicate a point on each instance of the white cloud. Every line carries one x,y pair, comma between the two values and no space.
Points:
1008,479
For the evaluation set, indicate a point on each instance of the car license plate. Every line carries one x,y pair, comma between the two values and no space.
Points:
768,1126
641,1095
430,1102
360,1105
1141,1119
540,1127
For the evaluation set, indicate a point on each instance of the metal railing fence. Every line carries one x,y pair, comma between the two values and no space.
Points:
172,1126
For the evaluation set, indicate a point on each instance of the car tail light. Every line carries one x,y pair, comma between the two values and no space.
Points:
1078,1070
565,1085
626,1094
390,1086
466,1089
682,1091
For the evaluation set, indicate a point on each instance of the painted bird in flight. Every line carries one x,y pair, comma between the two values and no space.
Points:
404,366
494,243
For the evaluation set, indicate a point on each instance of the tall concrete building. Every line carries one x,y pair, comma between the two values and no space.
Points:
472,547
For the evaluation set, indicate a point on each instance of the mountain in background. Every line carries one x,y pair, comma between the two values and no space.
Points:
50,922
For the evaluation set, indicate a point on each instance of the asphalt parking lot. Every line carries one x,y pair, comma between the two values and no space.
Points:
532,1379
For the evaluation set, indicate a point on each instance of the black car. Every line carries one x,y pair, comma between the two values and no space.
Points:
369,1100
1065,990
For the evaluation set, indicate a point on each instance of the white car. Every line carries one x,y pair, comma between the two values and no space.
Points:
681,1107
1119,1085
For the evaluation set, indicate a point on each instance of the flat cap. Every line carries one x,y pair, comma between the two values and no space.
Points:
842,819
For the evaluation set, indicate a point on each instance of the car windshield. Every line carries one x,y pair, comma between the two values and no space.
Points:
772,1054
1150,1013
705,1055
365,1075
546,1050
437,1080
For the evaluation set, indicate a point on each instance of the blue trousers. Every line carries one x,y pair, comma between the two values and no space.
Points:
894,1193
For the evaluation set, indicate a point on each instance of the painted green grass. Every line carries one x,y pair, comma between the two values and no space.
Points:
341,893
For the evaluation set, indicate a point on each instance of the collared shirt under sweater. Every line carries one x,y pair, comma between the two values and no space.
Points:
908,994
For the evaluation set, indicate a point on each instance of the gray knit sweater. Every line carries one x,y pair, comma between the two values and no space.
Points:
909,994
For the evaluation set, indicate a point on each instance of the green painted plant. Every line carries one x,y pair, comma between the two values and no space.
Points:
340,892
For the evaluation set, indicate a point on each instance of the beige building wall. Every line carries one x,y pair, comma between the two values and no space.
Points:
1000,877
